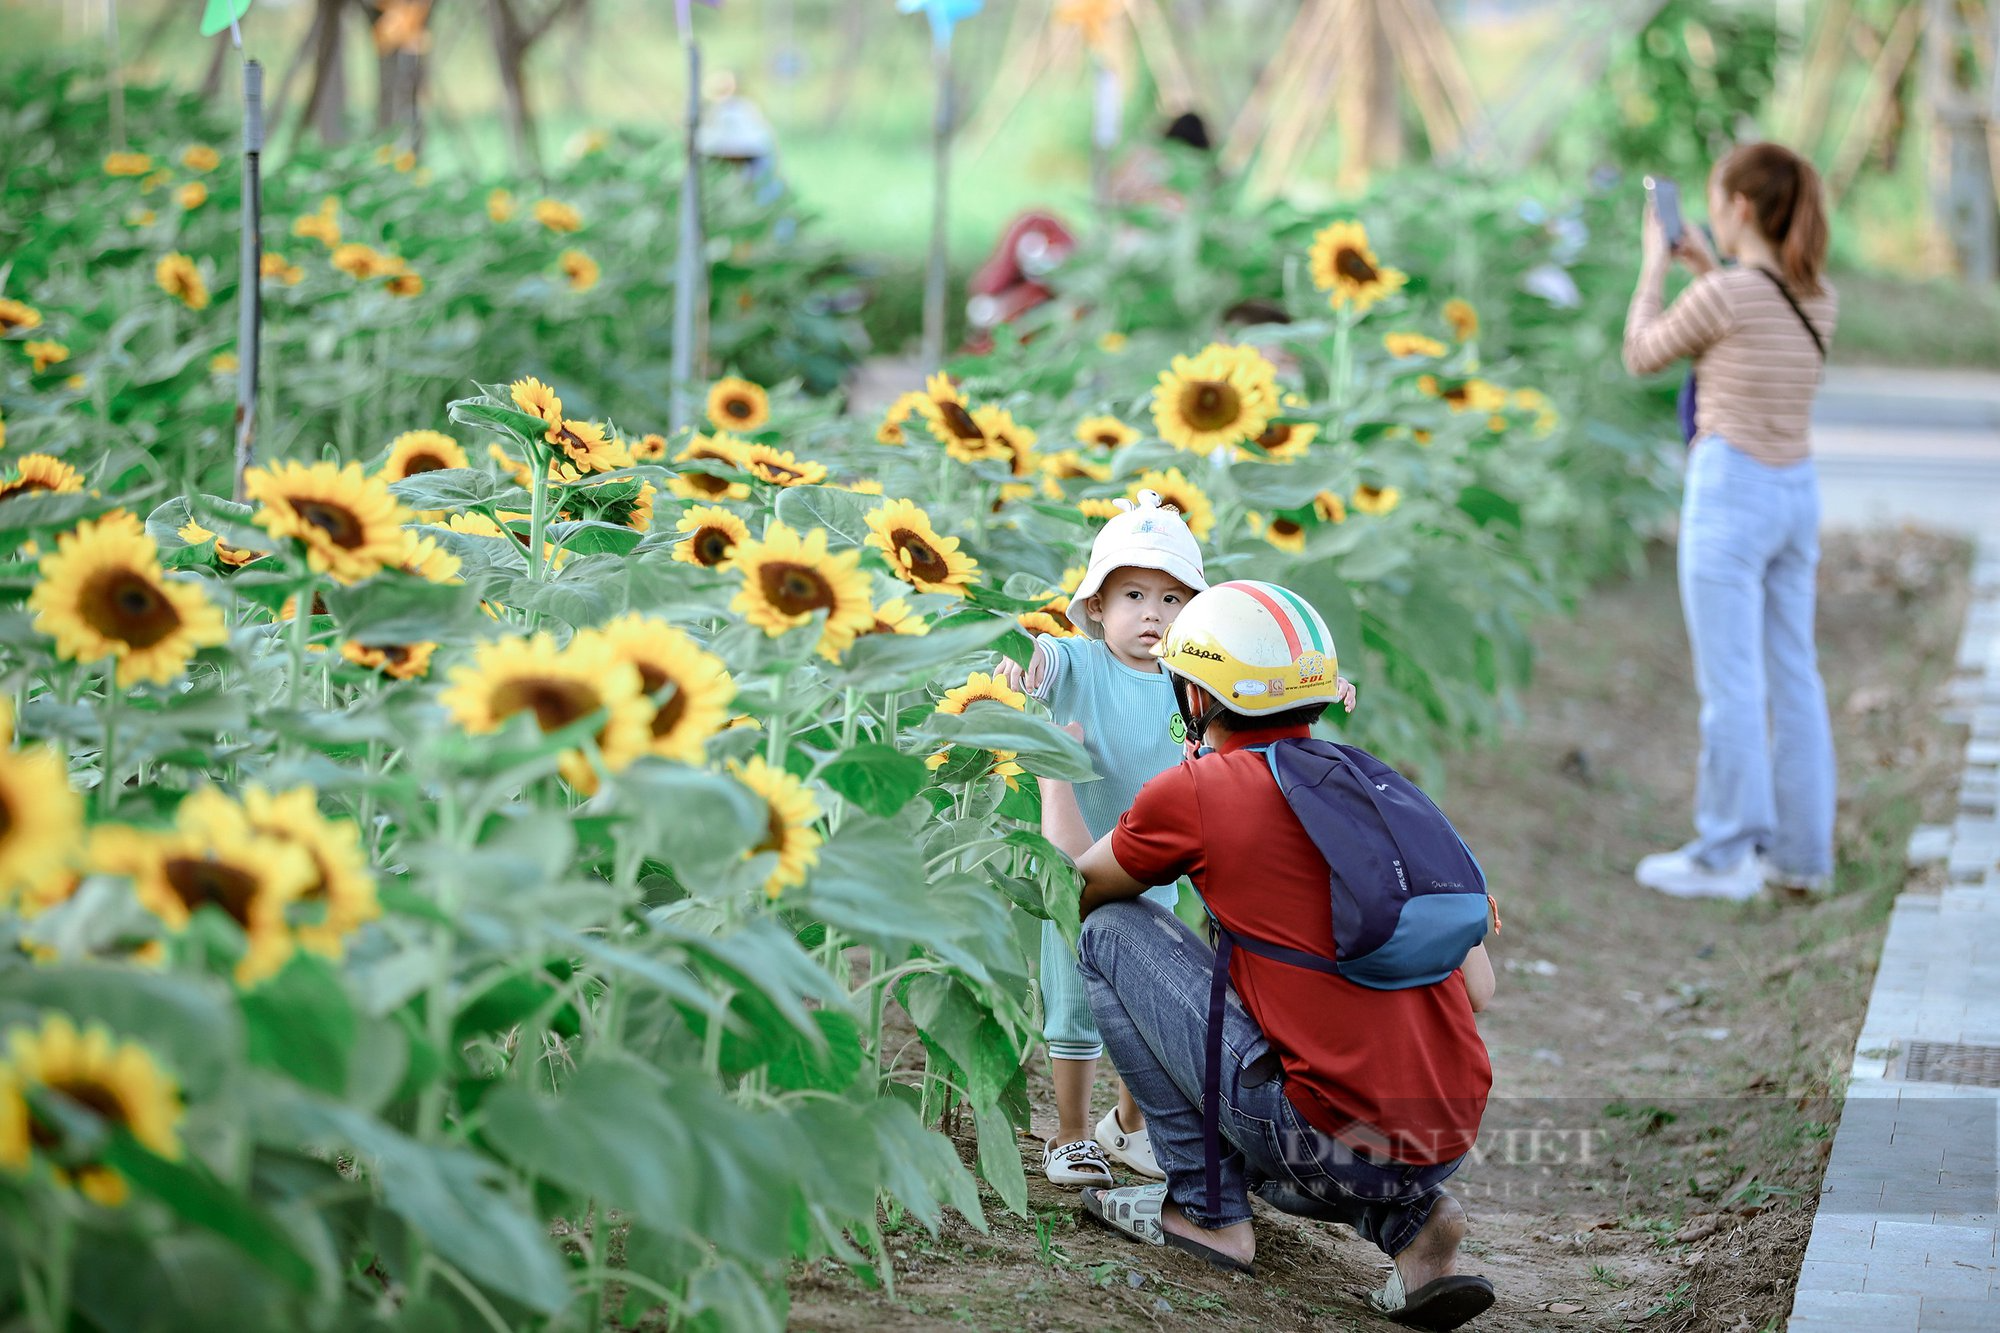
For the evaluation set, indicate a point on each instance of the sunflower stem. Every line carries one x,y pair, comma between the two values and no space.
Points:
850,722
777,735
538,523
302,605
1343,362
107,755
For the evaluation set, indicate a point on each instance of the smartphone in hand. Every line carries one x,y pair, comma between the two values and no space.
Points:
1665,197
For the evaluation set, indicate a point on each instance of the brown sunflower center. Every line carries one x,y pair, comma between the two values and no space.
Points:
200,883
774,831
416,463
1109,439
1351,264
920,557
668,715
125,605
1060,616
707,485
713,545
23,486
739,407
1286,527
1274,439
342,525
959,422
796,590
777,472
85,1092
1211,404
555,703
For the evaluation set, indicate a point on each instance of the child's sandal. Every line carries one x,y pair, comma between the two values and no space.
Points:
1076,1164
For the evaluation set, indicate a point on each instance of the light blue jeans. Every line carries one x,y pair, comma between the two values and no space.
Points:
1149,977
1749,555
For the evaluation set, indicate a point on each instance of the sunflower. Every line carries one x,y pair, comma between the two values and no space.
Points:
417,451
791,810
41,819
713,533
537,399
340,896
425,558
585,445
512,467
1220,397
215,860
1464,320
224,363
1095,508
868,487
718,448
896,616
102,594
500,206
980,687
1346,268
630,506
1038,623
361,262
1182,494
348,522
580,269
119,1082
778,467
916,553
1467,395
45,352
41,472
648,448
399,661
200,157
127,164
1105,432
891,429
275,266
1412,344
404,284
697,708
1012,436
1072,578
1281,442
1376,500
18,315
787,578
1287,534
1537,402
560,687
191,196
180,279
194,534
735,404
558,216
323,226
951,421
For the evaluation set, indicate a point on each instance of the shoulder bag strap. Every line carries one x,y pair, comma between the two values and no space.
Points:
1797,309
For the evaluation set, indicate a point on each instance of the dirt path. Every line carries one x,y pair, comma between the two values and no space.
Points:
1661,1107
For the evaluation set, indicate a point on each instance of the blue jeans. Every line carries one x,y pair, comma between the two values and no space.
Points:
1148,978
1749,555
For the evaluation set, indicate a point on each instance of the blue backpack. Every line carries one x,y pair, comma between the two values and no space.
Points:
1407,897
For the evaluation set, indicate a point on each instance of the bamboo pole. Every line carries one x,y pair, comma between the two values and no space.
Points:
1301,42
1173,74
688,268
116,73
1865,125
937,273
250,288
1822,70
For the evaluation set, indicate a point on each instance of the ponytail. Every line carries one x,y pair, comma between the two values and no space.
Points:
1787,203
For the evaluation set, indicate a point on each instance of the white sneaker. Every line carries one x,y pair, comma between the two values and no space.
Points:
1135,1150
1797,886
1678,875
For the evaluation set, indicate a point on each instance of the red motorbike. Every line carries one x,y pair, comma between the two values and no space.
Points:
1012,281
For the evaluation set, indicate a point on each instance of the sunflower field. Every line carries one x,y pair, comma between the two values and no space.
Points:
478,880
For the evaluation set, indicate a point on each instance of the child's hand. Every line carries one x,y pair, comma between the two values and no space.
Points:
1343,692
1075,729
1010,671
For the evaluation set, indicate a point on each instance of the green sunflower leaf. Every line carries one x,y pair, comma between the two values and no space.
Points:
448,488
843,514
1045,749
878,778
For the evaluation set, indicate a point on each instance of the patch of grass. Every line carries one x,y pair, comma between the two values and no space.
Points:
1890,319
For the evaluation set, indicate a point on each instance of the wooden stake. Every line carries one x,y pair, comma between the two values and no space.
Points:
1864,127
250,278
689,271
937,274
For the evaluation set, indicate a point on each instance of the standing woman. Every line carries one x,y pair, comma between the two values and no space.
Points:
1749,537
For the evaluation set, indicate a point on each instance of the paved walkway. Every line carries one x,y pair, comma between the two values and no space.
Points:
1908,1230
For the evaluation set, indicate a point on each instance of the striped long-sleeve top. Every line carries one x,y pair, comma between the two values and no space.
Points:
1755,364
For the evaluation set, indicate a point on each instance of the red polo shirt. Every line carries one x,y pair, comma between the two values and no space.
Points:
1397,1073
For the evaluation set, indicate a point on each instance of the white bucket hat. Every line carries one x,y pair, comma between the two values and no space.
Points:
1144,535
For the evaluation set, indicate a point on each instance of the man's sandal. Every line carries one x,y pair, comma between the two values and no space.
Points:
1438,1306
1076,1164
1134,1212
